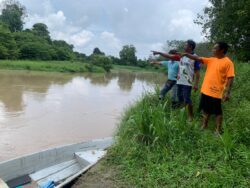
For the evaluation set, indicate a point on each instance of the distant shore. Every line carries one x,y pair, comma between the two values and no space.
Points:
68,66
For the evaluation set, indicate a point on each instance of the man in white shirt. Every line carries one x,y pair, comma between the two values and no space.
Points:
188,69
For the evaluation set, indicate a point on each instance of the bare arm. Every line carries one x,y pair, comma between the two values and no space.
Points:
155,62
166,55
194,57
228,89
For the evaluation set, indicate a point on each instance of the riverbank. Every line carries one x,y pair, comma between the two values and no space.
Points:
51,66
157,147
154,68
68,67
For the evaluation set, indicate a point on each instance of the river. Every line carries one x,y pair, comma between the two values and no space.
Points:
41,110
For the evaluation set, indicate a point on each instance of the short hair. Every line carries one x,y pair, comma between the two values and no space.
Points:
223,46
172,51
191,43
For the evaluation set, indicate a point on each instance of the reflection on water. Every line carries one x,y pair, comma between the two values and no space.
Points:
42,110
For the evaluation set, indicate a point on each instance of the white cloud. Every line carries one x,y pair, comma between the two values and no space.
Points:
1,1
60,29
48,7
78,39
157,46
125,9
111,40
111,24
183,22
52,20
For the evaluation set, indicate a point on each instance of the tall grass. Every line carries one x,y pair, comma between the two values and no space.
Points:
157,147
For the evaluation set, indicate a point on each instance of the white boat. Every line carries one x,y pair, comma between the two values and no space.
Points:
54,167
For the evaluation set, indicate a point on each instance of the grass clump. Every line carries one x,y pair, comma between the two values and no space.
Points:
157,147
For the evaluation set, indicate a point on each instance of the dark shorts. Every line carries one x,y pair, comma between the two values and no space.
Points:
210,105
184,94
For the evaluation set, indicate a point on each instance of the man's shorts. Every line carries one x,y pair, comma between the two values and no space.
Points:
184,94
210,105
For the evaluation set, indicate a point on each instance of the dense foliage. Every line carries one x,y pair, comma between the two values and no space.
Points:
228,20
36,43
13,14
127,55
202,48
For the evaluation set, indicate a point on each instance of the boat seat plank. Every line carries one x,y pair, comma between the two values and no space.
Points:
59,176
92,156
51,170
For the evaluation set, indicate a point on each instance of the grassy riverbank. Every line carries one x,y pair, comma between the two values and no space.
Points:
50,66
67,66
154,68
156,147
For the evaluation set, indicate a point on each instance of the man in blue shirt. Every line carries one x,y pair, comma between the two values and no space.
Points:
172,68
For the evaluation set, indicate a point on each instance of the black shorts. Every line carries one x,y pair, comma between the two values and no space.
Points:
210,105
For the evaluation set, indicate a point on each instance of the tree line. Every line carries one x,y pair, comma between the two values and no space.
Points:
224,20
228,20
36,44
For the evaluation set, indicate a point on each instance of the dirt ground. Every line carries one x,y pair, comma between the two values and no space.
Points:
100,176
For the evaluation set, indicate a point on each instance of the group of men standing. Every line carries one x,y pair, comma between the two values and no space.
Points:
183,75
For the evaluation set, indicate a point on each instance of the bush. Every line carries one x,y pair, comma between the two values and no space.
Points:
103,61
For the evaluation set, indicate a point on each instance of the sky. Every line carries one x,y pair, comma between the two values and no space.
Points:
111,24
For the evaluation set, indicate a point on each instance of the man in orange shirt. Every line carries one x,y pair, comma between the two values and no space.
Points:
217,83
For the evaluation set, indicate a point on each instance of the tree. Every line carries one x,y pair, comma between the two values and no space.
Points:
63,44
13,14
41,30
80,56
115,60
63,50
8,47
101,60
142,63
32,46
63,54
127,55
202,48
97,51
228,20
175,44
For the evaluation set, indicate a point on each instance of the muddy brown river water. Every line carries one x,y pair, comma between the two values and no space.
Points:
43,110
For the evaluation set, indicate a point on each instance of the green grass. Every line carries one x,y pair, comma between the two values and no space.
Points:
50,66
71,67
156,147
154,68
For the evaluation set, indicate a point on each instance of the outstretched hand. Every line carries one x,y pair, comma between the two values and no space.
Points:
155,52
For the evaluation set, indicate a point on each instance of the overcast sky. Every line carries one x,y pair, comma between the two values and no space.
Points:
110,24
